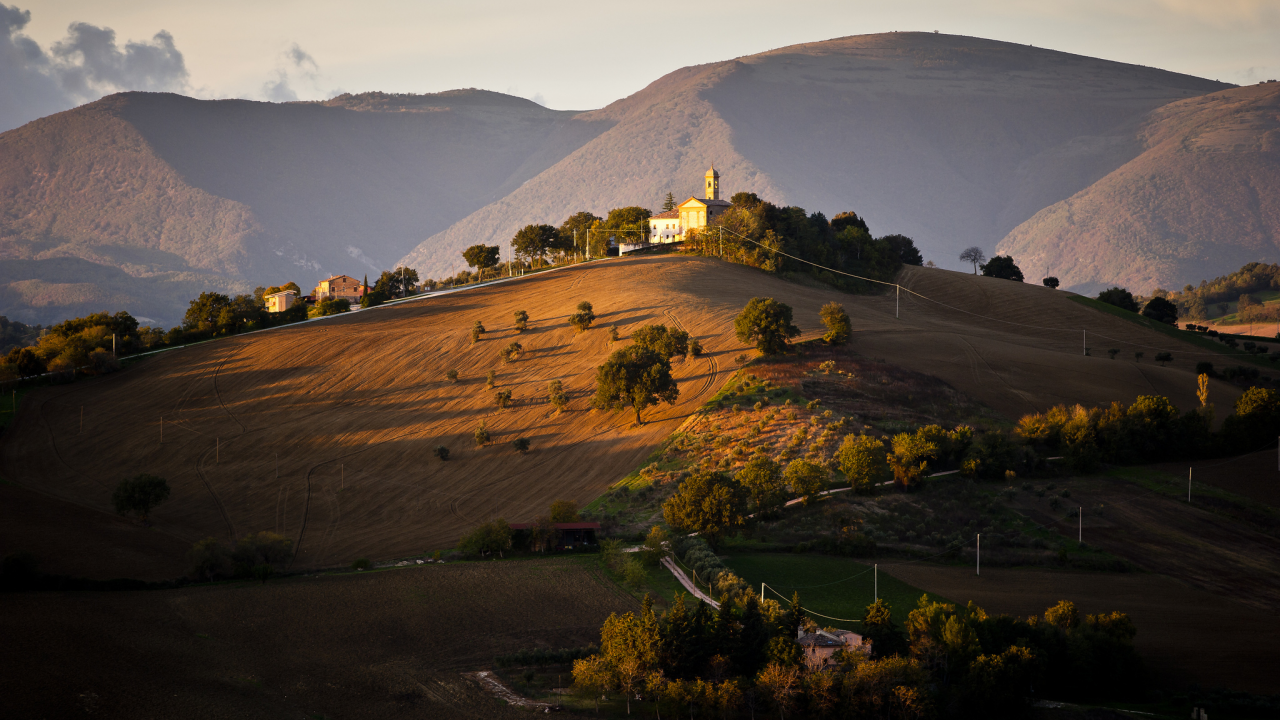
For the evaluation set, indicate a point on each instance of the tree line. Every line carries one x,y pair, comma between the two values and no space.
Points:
946,661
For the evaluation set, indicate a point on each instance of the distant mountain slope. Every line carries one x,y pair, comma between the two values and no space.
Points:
952,140
1201,200
140,200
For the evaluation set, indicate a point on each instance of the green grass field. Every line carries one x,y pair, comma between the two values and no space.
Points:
833,586
1201,341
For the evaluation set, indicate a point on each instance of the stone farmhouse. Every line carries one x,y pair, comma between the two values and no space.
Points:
692,214
340,287
820,647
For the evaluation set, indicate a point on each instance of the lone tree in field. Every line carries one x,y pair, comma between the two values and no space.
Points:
1164,357
140,495
522,320
452,375
1003,267
512,352
975,256
502,398
767,323
1051,282
441,452
482,435
667,343
582,319
521,445
711,504
477,329
557,396
634,377
839,329
482,257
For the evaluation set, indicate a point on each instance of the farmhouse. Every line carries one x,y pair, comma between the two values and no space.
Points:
340,287
280,301
692,214
820,647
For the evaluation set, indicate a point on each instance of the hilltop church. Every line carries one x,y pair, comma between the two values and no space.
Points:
691,214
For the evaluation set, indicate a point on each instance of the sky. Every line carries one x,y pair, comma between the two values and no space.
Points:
565,54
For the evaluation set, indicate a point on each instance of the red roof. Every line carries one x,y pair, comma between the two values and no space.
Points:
668,215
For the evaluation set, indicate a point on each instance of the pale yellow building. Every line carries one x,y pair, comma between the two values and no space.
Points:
692,214
280,301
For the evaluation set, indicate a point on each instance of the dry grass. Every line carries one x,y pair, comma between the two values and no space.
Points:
352,406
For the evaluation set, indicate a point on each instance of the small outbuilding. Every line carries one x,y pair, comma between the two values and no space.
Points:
820,647
280,301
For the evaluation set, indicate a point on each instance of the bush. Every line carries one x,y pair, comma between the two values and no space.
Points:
695,348
140,495
490,379
582,319
839,328
613,333
512,352
521,445
452,375
557,396
522,320
502,398
477,330
361,564
329,306
1164,357
442,452
1119,297
482,435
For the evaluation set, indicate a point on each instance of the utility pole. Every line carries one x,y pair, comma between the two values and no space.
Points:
113,345
897,293
761,592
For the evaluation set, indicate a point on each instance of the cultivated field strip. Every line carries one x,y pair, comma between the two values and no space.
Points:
350,408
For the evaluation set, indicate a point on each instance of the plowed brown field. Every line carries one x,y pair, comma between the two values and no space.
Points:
351,407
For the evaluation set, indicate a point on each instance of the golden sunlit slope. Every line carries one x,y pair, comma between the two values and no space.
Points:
951,140
352,407
1202,200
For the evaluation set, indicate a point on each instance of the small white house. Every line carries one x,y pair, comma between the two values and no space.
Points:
280,301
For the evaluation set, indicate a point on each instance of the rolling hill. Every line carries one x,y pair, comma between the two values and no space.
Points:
140,201
1201,200
325,431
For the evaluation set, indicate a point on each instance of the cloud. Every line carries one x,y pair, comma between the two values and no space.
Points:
82,67
296,65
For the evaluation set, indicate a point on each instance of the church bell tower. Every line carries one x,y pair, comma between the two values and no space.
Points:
713,184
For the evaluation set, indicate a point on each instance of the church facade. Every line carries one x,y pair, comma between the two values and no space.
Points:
692,214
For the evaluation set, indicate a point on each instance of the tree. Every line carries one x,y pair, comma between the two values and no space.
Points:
1003,267
667,343
139,495
1161,310
576,230
848,219
762,478
1164,357
491,537
655,546
708,503
441,452
521,445
522,320
903,248
806,479
502,399
626,224
669,204
396,283
582,319
780,684
535,241
863,460
452,376
564,511
594,676
1113,352
1119,297
482,257
1050,282
482,435
556,395
477,329
204,312
878,626
512,352
767,323
910,458
635,376
839,329
975,256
